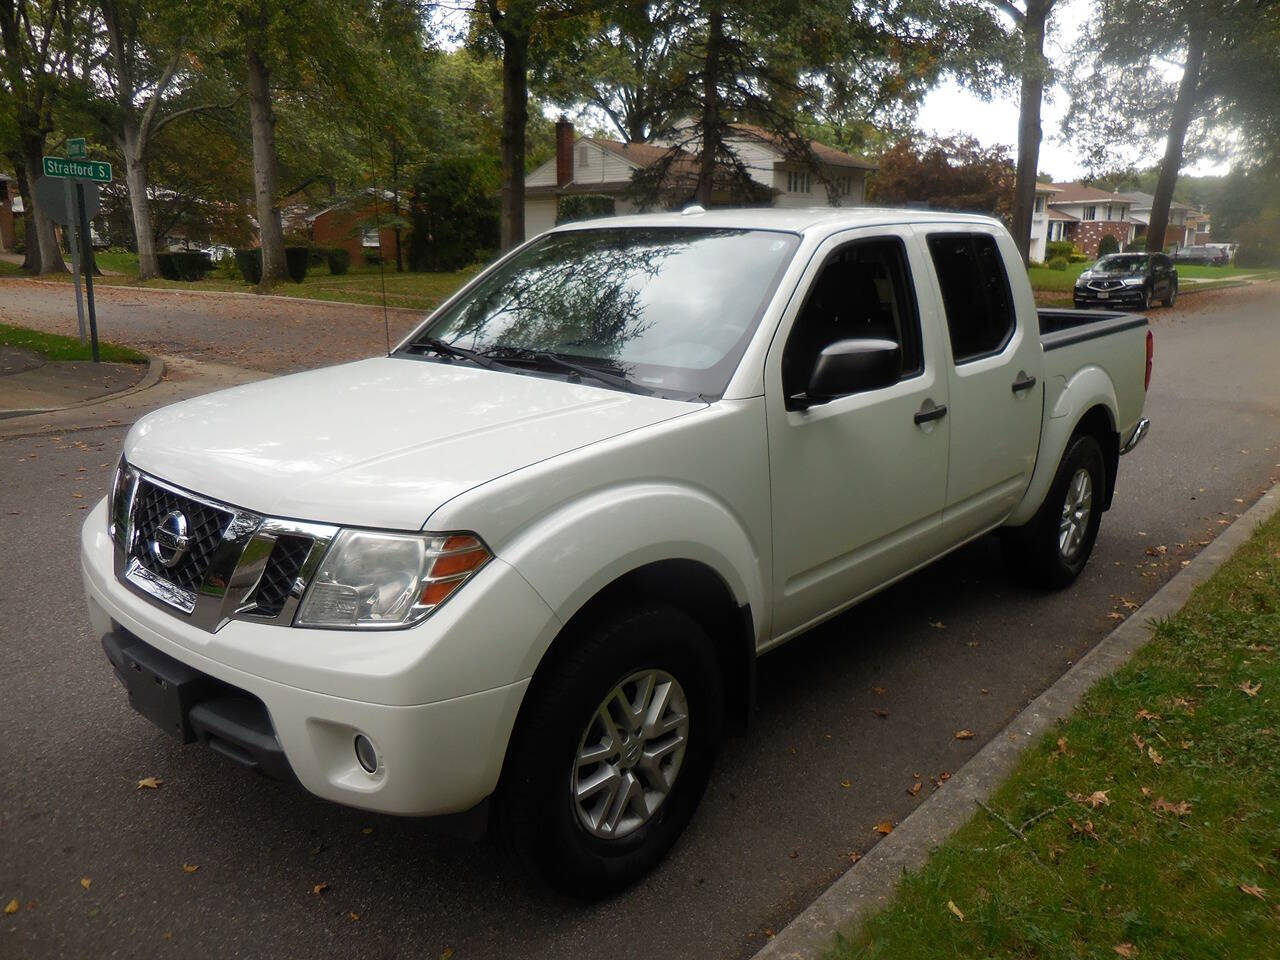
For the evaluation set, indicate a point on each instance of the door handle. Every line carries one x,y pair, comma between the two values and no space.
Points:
1023,383
937,413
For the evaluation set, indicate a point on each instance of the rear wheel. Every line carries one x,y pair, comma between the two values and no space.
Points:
1053,548
613,751
1172,298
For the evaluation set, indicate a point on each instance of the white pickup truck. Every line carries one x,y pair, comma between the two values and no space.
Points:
524,565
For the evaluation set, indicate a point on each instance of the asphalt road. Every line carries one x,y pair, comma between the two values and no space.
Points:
958,646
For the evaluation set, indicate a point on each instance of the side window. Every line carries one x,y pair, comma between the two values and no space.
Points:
864,290
975,293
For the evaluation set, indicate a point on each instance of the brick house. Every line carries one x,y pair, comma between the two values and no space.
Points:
1179,232
346,225
1084,215
8,235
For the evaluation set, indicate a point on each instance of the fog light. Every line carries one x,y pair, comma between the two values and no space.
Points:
365,754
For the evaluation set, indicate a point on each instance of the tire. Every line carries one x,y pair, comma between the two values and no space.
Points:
1148,297
545,826
1047,552
1172,298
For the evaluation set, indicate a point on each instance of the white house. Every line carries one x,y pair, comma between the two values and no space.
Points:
594,165
1040,221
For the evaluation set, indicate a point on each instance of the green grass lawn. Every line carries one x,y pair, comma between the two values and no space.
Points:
1151,816
1058,281
54,346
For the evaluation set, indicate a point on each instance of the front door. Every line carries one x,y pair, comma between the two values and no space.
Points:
994,376
857,483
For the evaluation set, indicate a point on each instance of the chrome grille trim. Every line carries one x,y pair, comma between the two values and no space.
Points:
235,566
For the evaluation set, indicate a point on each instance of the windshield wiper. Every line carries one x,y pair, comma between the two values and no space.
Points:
436,345
584,370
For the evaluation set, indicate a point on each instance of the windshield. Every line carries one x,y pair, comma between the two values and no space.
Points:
1122,263
663,310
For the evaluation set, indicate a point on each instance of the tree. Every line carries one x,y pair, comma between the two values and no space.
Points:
947,173
1123,98
34,44
147,61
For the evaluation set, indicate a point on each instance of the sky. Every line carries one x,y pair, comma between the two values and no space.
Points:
950,109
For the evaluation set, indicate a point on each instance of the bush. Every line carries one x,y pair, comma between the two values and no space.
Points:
583,206
295,262
317,256
1058,248
1078,258
339,261
1057,263
373,259
1108,244
188,265
250,264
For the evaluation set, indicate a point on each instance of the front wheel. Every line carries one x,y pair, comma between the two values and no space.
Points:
1172,298
1053,548
613,751
1148,297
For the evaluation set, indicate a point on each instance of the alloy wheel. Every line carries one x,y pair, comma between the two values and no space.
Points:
1076,508
630,754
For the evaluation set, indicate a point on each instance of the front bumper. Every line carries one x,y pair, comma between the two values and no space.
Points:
438,701
1121,296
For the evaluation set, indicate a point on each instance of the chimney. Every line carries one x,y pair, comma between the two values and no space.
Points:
564,151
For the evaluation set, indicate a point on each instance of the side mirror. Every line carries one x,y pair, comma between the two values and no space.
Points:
852,366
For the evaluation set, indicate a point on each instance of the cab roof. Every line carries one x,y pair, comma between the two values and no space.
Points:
803,220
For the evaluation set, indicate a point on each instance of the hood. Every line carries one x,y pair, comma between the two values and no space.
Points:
378,443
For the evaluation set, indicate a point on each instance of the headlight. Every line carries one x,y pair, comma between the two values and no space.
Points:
372,580
1133,281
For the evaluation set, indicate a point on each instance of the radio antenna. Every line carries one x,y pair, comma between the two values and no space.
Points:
382,261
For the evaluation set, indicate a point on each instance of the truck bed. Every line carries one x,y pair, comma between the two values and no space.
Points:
1060,328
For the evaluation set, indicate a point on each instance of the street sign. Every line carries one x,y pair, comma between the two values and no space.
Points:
77,149
51,194
80,169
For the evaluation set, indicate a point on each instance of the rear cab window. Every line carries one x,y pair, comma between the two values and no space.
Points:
975,293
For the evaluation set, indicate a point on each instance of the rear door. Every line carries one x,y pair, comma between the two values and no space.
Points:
994,370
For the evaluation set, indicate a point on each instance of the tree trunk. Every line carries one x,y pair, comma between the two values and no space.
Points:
30,249
710,108
1188,94
515,118
50,256
1029,132
262,126
135,176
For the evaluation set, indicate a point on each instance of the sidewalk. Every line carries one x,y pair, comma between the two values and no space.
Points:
31,384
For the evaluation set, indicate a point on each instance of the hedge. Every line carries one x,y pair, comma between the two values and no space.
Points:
1108,244
250,263
189,265
295,262
1057,263
1059,248
339,260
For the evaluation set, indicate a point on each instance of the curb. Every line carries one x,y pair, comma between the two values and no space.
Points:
421,311
155,370
870,883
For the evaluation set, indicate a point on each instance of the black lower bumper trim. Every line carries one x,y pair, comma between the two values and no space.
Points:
195,707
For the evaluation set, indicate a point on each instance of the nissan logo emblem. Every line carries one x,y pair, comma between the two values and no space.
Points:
169,542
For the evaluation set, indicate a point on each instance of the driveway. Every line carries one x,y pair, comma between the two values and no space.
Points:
275,334
849,716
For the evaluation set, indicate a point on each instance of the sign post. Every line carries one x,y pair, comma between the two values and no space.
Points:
73,227
76,169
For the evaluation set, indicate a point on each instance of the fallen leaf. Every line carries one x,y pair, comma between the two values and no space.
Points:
1146,791
1179,809
846,783
320,887
937,624
367,830
884,828
448,952
11,907
1095,800
915,788
1086,828
881,712
1253,891
1062,747
1142,744
149,783
1126,949
795,854
1155,757
854,856
1145,714
1252,691
964,734
951,905
1259,647
353,916
190,867
86,882
1115,615
769,932
878,691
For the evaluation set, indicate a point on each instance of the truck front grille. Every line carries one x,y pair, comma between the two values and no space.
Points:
283,567
203,523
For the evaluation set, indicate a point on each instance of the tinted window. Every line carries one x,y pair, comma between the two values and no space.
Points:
864,290
669,309
975,293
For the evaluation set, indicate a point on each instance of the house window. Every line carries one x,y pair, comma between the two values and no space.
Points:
583,155
1090,213
370,238
798,182
1039,204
